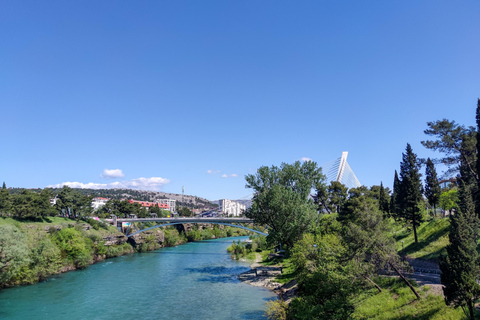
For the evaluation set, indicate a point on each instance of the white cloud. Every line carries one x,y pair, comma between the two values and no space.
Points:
209,171
153,183
234,175
305,159
224,176
112,174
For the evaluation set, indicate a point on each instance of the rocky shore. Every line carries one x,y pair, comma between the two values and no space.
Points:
265,276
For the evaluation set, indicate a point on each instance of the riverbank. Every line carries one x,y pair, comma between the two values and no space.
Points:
30,251
265,276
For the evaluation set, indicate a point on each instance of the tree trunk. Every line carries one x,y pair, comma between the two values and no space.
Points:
415,229
370,280
405,280
470,309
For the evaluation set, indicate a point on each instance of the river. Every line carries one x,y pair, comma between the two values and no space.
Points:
193,281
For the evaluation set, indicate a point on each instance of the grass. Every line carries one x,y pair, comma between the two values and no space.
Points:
398,302
432,239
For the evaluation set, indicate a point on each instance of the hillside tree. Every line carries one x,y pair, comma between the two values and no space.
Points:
410,195
281,200
432,185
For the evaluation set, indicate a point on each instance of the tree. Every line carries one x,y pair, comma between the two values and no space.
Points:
366,238
184,211
281,200
5,204
432,186
382,195
337,195
13,252
410,195
394,199
461,267
448,199
450,136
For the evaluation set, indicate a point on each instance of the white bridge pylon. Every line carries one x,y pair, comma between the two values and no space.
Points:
339,170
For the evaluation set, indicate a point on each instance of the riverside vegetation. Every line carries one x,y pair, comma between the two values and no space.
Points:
341,245
33,249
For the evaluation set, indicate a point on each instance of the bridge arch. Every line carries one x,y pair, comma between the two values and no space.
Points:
146,224
174,223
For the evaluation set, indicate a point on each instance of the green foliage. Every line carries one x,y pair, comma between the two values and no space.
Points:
281,200
432,186
396,302
13,252
327,287
432,240
75,248
276,310
448,199
184,212
410,194
461,267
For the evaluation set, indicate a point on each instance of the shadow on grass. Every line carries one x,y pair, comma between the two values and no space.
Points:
424,316
414,247
32,219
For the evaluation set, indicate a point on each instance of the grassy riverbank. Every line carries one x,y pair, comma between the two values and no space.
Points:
31,250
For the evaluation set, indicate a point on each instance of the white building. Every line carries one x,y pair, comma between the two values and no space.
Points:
230,207
170,202
99,202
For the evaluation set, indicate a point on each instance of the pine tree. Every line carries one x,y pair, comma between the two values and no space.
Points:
432,186
410,194
461,267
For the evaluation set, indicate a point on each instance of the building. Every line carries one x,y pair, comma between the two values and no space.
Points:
230,207
166,204
99,202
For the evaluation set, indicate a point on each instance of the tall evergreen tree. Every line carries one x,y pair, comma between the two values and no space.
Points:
5,201
394,207
432,186
410,194
461,267
383,200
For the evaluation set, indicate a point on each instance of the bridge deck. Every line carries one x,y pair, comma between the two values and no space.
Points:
185,220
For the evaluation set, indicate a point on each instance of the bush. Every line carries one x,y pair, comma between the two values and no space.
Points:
75,248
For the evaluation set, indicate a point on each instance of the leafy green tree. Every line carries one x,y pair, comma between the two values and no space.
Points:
432,185
75,248
281,200
410,194
13,252
382,195
461,267
185,212
327,283
448,199
366,239
337,195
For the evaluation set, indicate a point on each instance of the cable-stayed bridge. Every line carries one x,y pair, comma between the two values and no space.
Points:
339,170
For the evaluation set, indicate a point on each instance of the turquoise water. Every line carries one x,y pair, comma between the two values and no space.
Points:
192,281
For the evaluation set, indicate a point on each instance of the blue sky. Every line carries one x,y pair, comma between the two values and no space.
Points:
164,94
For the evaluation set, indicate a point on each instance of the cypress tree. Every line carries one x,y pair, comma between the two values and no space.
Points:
4,199
394,207
383,201
461,267
432,186
410,194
